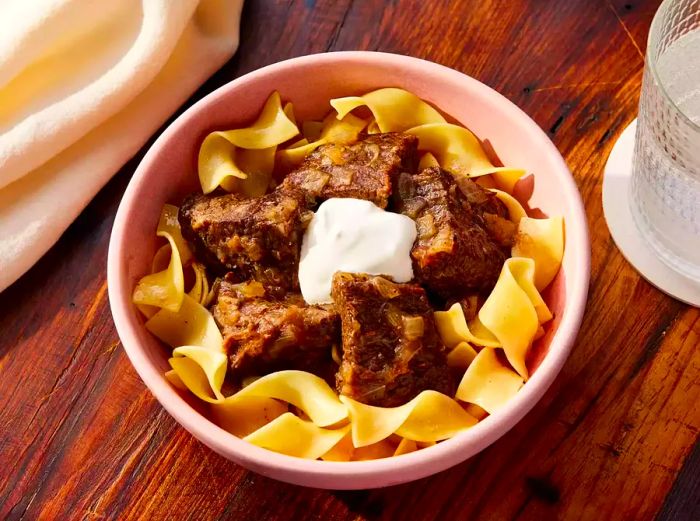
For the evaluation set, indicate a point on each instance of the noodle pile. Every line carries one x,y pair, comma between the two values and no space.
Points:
295,412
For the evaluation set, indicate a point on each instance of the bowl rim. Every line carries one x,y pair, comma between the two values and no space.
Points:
397,469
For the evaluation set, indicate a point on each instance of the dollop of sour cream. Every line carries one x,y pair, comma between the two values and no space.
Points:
355,236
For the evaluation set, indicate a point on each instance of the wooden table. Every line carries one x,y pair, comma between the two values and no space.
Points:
614,438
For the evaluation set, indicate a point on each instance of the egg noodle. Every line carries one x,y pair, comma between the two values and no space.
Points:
295,412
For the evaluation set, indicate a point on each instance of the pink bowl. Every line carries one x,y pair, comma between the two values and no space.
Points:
168,172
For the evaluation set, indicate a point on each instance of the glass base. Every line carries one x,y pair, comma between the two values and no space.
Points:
667,256
617,177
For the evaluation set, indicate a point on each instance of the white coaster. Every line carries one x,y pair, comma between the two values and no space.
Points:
616,182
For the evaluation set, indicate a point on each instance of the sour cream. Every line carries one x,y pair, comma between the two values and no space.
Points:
355,236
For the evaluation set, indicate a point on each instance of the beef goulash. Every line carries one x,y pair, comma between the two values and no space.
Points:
254,239
390,348
454,253
346,298
263,334
365,170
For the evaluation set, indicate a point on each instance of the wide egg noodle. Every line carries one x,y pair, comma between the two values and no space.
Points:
488,383
341,451
344,450
523,270
430,416
206,289
434,417
510,314
333,130
257,166
427,160
192,377
405,446
211,362
453,329
394,110
169,223
288,434
297,144
254,414
197,289
244,415
164,289
289,112
515,209
165,286
160,263
480,334
456,149
200,289
539,239
174,380
146,310
216,161
461,356
161,259
371,424
373,128
246,154
201,370
342,131
381,449
293,156
478,412
543,241
304,390
505,177
272,128
191,325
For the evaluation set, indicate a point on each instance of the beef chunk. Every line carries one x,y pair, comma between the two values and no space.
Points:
364,170
453,254
263,334
480,199
391,348
492,212
253,238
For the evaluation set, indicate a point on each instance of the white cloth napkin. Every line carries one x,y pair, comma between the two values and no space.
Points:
83,84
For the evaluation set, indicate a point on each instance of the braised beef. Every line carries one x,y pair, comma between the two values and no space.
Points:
391,348
364,170
263,334
491,210
453,254
256,239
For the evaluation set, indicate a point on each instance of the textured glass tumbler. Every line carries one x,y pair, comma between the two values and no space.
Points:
665,197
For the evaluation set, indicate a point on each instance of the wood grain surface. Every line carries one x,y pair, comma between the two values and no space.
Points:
614,438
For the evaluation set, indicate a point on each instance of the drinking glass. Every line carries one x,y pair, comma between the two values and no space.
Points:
665,187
